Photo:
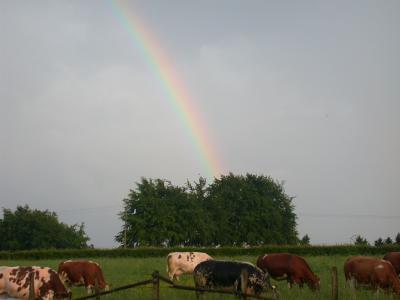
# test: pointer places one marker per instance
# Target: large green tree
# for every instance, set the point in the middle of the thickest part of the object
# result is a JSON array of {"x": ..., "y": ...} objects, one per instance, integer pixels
[
  {"x": 252, "y": 210},
  {"x": 27, "y": 228},
  {"x": 233, "y": 210},
  {"x": 159, "y": 213}
]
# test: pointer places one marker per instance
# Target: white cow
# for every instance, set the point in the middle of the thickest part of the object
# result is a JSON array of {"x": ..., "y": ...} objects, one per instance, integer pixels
[
  {"x": 14, "y": 282},
  {"x": 179, "y": 263}
]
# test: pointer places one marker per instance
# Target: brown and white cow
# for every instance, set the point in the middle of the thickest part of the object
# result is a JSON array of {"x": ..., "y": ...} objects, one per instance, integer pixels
[
  {"x": 372, "y": 272},
  {"x": 82, "y": 272},
  {"x": 394, "y": 258},
  {"x": 179, "y": 263},
  {"x": 14, "y": 282},
  {"x": 293, "y": 268}
]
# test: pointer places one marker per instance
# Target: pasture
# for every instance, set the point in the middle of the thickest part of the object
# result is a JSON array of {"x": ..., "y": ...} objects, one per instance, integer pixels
[{"x": 121, "y": 271}]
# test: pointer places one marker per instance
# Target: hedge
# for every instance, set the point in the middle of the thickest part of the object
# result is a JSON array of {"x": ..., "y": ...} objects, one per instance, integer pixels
[{"x": 223, "y": 251}]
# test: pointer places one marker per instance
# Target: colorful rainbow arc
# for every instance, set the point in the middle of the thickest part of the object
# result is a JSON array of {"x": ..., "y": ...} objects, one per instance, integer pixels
[{"x": 177, "y": 96}]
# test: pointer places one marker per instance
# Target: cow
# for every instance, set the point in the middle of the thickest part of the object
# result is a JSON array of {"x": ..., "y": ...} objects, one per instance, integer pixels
[
  {"x": 82, "y": 272},
  {"x": 226, "y": 275},
  {"x": 179, "y": 263},
  {"x": 372, "y": 272},
  {"x": 394, "y": 258},
  {"x": 15, "y": 281},
  {"x": 293, "y": 268}
]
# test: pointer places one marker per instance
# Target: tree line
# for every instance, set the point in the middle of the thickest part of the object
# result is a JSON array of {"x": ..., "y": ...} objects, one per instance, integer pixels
[
  {"x": 234, "y": 210},
  {"x": 359, "y": 240},
  {"x": 26, "y": 228}
]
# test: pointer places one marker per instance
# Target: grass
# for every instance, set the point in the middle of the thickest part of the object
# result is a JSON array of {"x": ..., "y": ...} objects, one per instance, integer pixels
[{"x": 123, "y": 271}]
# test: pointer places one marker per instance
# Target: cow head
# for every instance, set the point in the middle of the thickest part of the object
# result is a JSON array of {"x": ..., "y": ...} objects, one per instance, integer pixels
[
  {"x": 67, "y": 294},
  {"x": 259, "y": 281},
  {"x": 315, "y": 283},
  {"x": 64, "y": 278},
  {"x": 54, "y": 288}
]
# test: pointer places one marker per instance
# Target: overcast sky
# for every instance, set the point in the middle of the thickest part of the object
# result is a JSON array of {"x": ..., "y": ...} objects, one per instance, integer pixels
[{"x": 307, "y": 92}]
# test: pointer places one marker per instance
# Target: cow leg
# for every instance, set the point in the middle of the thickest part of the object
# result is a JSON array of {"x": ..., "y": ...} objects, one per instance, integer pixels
[
  {"x": 352, "y": 285},
  {"x": 89, "y": 286},
  {"x": 377, "y": 293},
  {"x": 289, "y": 283},
  {"x": 300, "y": 283},
  {"x": 200, "y": 295},
  {"x": 275, "y": 293},
  {"x": 297, "y": 280},
  {"x": 171, "y": 274},
  {"x": 89, "y": 289}
]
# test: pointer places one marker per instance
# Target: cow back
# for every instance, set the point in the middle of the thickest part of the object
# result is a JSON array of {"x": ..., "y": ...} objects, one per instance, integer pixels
[{"x": 394, "y": 259}]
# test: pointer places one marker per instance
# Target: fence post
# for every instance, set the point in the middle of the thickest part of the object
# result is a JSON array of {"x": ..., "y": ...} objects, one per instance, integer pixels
[
  {"x": 156, "y": 285},
  {"x": 96, "y": 288},
  {"x": 244, "y": 276},
  {"x": 335, "y": 289},
  {"x": 32, "y": 286}
]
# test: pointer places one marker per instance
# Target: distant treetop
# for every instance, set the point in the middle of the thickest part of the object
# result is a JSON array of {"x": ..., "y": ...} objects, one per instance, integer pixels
[{"x": 26, "y": 229}]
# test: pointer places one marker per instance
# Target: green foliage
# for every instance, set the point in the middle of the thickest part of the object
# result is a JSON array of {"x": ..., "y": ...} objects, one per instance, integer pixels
[
  {"x": 305, "y": 240},
  {"x": 232, "y": 211},
  {"x": 223, "y": 251},
  {"x": 388, "y": 241},
  {"x": 251, "y": 210},
  {"x": 360, "y": 241},
  {"x": 378, "y": 242},
  {"x": 34, "y": 229},
  {"x": 160, "y": 214},
  {"x": 397, "y": 239}
]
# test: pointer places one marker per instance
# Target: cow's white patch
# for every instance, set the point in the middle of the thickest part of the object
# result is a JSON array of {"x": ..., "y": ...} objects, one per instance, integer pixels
[
  {"x": 379, "y": 267},
  {"x": 265, "y": 256},
  {"x": 93, "y": 262}
]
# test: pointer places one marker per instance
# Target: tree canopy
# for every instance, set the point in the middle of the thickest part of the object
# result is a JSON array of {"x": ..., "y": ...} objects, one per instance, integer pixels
[
  {"x": 233, "y": 210},
  {"x": 27, "y": 228}
]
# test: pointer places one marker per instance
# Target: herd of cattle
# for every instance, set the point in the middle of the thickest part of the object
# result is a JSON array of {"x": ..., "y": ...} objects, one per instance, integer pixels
[{"x": 207, "y": 273}]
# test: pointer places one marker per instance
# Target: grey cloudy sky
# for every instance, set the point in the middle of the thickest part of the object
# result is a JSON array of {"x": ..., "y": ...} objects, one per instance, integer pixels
[{"x": 304, "y": 91}]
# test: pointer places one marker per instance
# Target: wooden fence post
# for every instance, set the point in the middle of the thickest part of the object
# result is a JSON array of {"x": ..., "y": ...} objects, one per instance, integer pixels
[
  {"x": 244, "y": 277},
  {"x": 32, "y": 286},
  {"x": 156, "y": 285},
  {"x": 335, "y": 289},
  {"x": 96, "y": 288}
]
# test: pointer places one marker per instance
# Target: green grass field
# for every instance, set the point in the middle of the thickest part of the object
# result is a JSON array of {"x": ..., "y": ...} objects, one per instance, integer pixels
[{"x": 122, "y": 271}]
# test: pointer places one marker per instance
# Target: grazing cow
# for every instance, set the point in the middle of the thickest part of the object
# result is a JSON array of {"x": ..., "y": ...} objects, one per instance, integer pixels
[
  {"x": 214, "y": 274},
  {"x": 293, "y": 268},
  {"x": 179, "y": 263},
  {"x": 394, "y": 258},
  {"x": 372, "y": 272},
  {"x": 15, "y": 281},
  {"x": 82, "y": 272}
]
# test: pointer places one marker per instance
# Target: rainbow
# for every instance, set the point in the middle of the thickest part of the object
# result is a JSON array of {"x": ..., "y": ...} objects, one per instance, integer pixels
[{"x": 176, "y": 94}]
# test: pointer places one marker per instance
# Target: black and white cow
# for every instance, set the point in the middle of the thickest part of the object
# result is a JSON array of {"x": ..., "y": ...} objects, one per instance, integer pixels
[{"x": 225, "y": 275}]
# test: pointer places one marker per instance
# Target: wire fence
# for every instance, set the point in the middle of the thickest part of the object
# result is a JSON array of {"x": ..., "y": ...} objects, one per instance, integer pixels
[{"x": 156, "y": 278}]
